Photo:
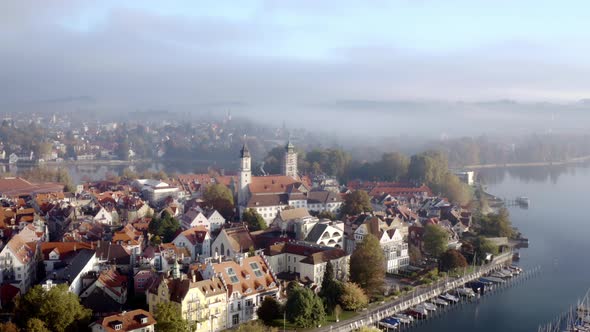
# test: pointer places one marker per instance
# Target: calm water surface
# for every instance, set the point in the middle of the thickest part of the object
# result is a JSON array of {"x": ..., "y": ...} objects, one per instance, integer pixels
[{"x": 558, "y": 226}]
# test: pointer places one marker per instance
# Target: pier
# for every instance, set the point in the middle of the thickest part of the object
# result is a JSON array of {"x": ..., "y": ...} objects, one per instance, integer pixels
[{"x": 371, "y": 317}]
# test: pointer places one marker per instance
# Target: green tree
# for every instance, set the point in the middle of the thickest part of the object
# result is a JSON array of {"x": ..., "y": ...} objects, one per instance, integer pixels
[
  {"x": 436, "y": 240},
  {"x": 304, "y": 308},
  {"x": 327, "y": 215},
  {"x": 452, "y": 259},
  {"x": 36, "y": 325},
  {"x": 483, "y": 247},
  {"x": 254, "y": 220},
  {"x": 353, "y": 297},
  {"x": 496, "y": 225},
  {"x": 392, "y": 167},
  {"x": 269, "y": 310},
  {"x": 357, "y": 202},
  {"x": 331, "y": 288},
  {"x": 169, "y": 318},
  {"x": 220, "y": 198},
  {"x": 58, "y": 308},
  {"x": 165, "y": 228},
  {"x": 367, "y": 266},
  {"x": 369, "y": 329},
  {"x": 254, "y": 326}
]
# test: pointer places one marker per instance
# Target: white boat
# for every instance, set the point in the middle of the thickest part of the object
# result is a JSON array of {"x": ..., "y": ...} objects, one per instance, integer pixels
[
  {"x": 508, "y": 272},
  {"x": 429, "y": 306},
  {"x": 404, "y": 318},
  {"x": 449, "y": 297},
  {"x": 464, "y": 291},
  {"x": 421, "y": 309},
  {"x": 439, "y": 301},
  {"x": 523, "y": 200}
]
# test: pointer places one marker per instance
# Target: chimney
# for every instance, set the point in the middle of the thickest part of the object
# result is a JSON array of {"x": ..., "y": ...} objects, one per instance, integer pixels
[{"x": 194, "y": 276}]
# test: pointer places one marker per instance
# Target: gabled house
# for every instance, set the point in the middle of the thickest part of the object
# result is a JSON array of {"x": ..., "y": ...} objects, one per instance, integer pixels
[
  {"x": 327, "y": 233},
  {"x": 72, "y": 271},
  {"x": 203, "y": 303},
  {"x": 112, "y": 283},
  {"x": 391, "y": 240},
  {"x": 307, "y": 262},
  {"x": 231, "y": 242},
  {"x": 248, "y": 281},
  {"x": 130, "y": 238},
  {"x": 18, "y": 263},
  {"x": 127, "y": 321},
  {"x": 197, "y": 240}
]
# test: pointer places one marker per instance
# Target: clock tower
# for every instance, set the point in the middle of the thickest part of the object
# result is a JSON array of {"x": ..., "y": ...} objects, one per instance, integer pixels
[{"x": 290, "y": 161}]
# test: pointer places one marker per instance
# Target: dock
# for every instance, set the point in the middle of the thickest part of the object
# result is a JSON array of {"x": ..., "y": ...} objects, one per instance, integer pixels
[{"x": 373, "y": 316}]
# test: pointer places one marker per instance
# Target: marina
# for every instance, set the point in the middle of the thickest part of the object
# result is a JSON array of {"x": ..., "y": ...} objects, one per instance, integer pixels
[{"x": 427, "y": 304}]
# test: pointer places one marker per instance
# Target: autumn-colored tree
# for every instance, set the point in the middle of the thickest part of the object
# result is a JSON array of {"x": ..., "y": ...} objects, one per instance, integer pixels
[
  {"x": 353, "y": 297},
  {"x": 367, "y": 266},
  {"x": 220, "y": 198},
  {"x": 356, "y": 202},
  {"x": 452, "y": 259}
]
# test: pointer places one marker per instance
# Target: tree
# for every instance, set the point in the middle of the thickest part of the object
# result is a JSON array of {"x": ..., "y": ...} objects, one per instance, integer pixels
[
  {"x": 58, "y": 308},
  {"x": 415, "y": 254},
  {"x": 331, "y": 289},
  {"x": 254, "y": 326},
  {"x": 369, "y": 329},
  {"x": 483, "y": 247},
  {"x": 496, "y": 225},
  {"x": 36, "y": 325},
  {"x": 452, "y": 259},
  {"x": 220, "y": 198},
  {"x": 269, "y": 310},
  {"x": 169, "y": 318},
  {"x": 165, "y": 228},
  {"x": 327, "y": 215},
  {"x": 254, "y": 220},
  {"x": 8, "y": 327},
  {"x": 156, "y": 240},
  {"x": 353, "y": 297},
  {"x": 357, "y": 202},
  {"x": 367, "y": 266},
  {"x": 435, "y": 240},
  {"x": 304, "y": 308},
  {"x": 392, "y": 166}
]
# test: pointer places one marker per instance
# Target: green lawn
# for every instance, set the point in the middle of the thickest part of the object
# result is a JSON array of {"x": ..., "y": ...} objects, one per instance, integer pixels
[{"x": 329, "y": 320}]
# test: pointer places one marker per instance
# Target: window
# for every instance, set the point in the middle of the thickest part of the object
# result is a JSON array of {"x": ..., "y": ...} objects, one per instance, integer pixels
[
  {"x": 235, "y": 320},
  {"x": 232, "y": 275},
  {"x": 256, "y": 269}
]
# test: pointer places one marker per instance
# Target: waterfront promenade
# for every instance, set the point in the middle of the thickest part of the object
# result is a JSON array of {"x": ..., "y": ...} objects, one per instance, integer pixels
[{"x": 420, "y": 294}]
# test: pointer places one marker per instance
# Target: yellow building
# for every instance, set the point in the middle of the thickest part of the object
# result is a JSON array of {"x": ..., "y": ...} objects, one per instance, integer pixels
[{"x": 202, "y": 303}]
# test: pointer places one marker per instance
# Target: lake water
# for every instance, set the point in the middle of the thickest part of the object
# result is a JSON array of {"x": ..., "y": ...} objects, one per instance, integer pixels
[{"x": 557, "y": 225}]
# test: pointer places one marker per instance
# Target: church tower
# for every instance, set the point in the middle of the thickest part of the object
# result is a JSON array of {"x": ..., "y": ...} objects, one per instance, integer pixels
[
  {"x": 245, "y": 175},
  {"x": 290, "y": 161}
]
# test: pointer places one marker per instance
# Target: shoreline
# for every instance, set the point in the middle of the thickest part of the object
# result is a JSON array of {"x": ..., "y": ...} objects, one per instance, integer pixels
[{"x": 539, "y": 163}]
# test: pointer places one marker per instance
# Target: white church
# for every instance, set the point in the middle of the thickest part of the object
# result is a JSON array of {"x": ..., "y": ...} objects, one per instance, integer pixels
[{"x": 270, "y": 194}]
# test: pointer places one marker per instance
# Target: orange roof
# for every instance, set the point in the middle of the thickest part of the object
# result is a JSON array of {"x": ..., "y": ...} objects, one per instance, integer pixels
[
  {"x": 127, "y": 321},
  {"x": 271, "y": 184},
  {"x": 63, "y": 248},
  {"x": 113, "y": 280},
  {"x": 21, "y": 250},
  {"x": 128, "y": 235},
  {"x": 16, "y": 186},
  {"x": 251, "y": 277}
]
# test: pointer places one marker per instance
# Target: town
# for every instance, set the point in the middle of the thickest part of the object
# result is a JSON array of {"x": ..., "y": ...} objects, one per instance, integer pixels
[{"x": 215, "y": 252}]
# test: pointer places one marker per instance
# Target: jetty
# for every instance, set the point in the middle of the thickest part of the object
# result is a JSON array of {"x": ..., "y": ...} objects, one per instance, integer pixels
[{"x": 373, "y": 316}]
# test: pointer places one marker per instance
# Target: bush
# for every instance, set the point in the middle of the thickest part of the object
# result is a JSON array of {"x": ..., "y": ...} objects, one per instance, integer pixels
[{"x": 353, "y": 297}]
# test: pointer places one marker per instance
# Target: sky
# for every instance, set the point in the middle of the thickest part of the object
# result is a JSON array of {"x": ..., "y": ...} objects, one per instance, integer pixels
[{"x": 290, "y": 54}]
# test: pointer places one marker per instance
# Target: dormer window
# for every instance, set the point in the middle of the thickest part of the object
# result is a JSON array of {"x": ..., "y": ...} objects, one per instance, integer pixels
[{"x": 118, "y": 327}]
